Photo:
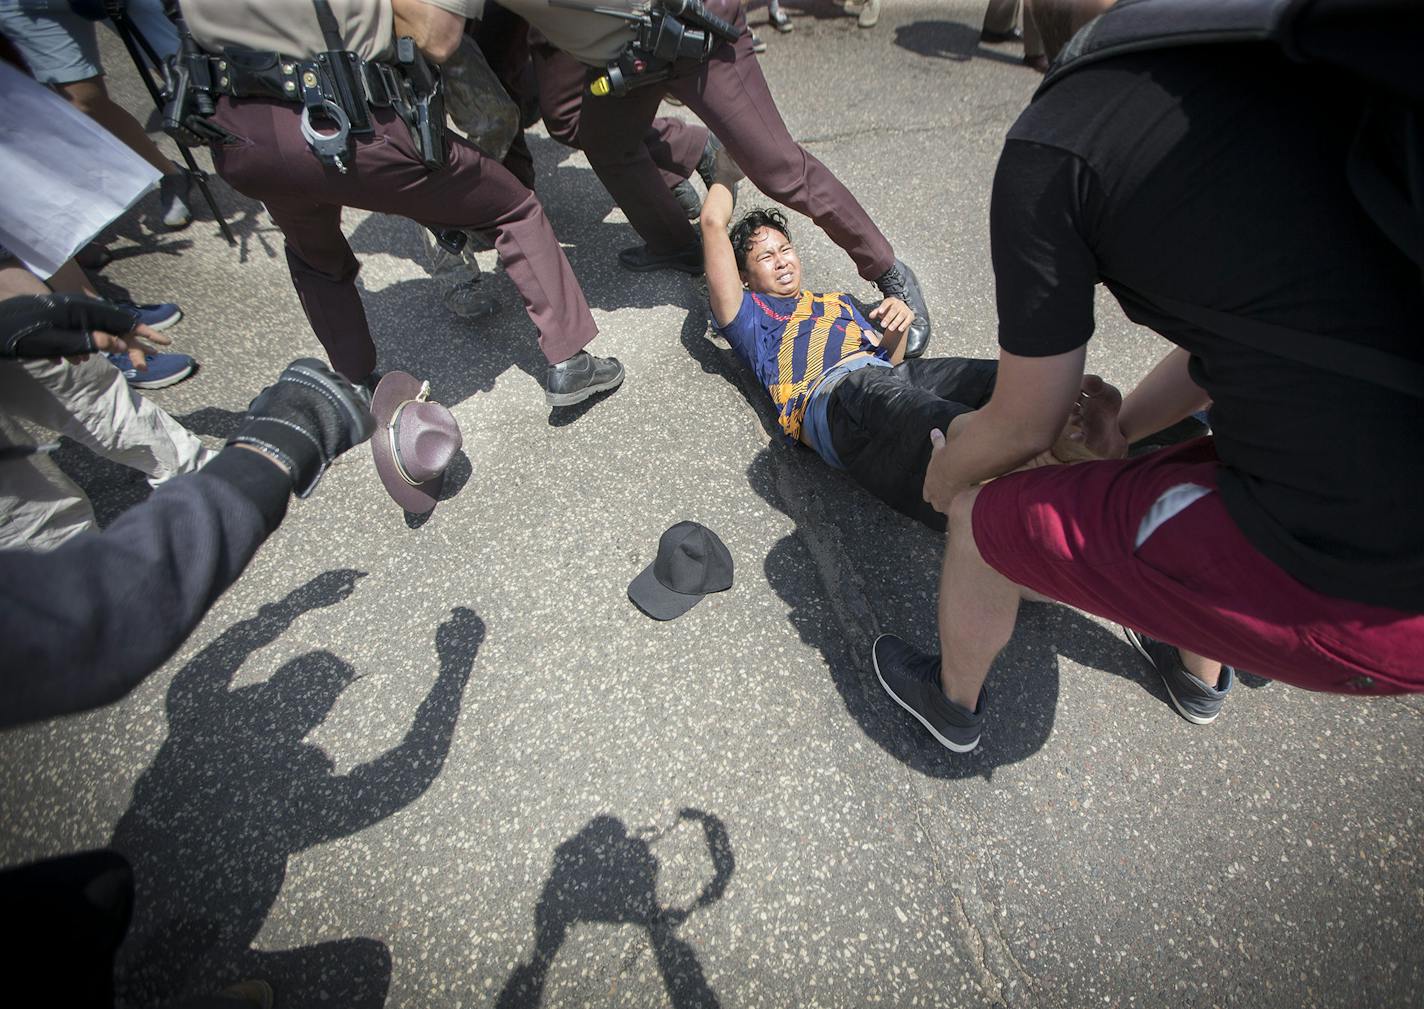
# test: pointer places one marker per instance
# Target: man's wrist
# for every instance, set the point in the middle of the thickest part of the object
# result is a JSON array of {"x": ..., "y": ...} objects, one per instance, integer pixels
[{"x": 255, "y": 450}]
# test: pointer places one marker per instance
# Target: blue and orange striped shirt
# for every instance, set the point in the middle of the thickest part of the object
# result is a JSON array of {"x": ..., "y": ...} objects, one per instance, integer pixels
[{"x": 791, "y": 343}]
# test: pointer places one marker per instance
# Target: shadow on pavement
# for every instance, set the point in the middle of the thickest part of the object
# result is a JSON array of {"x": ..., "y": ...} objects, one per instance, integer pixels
[
  {"x": 457, "y": 474},
  {"x": 112, "y": 488},
  {"x": 605, "y": 874},
  {"x": 234, "y": 792},
  {"x": 948, "y": 40},
  {"x": 213, "y": 421}
]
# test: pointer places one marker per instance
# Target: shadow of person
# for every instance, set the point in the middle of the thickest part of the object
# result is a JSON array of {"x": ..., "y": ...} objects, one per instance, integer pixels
[
  {"x": 1024, "y": 681},
  {"x": 234, "y": 792},
  {"x": 947, "y": 40},
  {"x": 213, "y": 421},
  {"x": 605, "y": 874}
]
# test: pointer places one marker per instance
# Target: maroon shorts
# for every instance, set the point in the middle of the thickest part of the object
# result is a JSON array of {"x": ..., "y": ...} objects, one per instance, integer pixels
[{"x": 1071, "y": 533}]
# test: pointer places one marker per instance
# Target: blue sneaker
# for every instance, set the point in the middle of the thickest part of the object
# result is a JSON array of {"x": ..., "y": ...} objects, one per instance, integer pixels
[
  {"x": 155, "y": 317},
  {"x": 163, "y": 370}
]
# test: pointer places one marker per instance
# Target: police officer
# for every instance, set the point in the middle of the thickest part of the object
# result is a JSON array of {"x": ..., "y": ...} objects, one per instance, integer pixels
[
  {"x": 728, "y": 92},
  {"x": 319, "y": 107}
]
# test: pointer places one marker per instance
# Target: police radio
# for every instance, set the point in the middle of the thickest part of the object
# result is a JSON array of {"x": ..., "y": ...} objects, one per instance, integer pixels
[{"x": 668, "y": 33}]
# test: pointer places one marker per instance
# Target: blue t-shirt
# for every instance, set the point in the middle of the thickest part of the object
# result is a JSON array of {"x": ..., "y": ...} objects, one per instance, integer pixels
[{"x": 791, "y": 343}]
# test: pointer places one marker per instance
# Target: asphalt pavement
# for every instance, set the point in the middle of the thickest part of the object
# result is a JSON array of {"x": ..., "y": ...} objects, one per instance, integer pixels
[{"x": 445, "y": 762}]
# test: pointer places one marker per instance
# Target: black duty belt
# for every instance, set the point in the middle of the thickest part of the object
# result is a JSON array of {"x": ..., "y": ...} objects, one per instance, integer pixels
[
  {"x": 336, "y": 89},
  {"x": 287, "y": 78}
]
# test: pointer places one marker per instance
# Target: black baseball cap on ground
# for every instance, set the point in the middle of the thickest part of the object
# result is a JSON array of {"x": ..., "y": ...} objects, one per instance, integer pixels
[{"x": 691, "y": 562}]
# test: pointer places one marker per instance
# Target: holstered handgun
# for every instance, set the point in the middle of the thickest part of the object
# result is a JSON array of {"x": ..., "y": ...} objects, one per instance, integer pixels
[
  {"x": 188, "y": 102},
  {"x": 424, "y": 113}
]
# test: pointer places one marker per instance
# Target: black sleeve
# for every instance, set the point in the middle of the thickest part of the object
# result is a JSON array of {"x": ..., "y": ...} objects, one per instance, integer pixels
[
  {"x": 81, "y": 625},
  {"x": 1044, "y": 269}
]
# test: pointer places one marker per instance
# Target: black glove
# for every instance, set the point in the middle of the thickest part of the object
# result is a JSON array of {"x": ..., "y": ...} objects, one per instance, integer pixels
[
  {"x": 307, "y": 418},
  {"x": 57, "y": 325}
]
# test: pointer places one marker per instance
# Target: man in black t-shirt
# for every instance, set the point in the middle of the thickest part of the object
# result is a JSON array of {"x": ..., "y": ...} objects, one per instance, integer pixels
[{"x": 1209, "y": 177}]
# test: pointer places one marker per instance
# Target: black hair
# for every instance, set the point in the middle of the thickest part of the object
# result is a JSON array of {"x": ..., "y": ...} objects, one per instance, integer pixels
[{"x": 752, "y": 222}]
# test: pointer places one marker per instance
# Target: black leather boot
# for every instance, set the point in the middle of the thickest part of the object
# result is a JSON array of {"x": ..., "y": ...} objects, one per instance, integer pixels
[{"x": 900, "y": 282}]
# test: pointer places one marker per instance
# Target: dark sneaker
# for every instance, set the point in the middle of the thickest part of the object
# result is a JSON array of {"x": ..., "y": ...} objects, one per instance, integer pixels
[
  {"x": 911, "y": 678},
  {"x": 688, "y": 199},
  {"x": 155, "y": 317},
  {"x": 173, "y": 199},
  {"x": 1193, "y": 699},
  {"x": 707, "y": 164},
  {"x": 779, "y": 19},
  {"x": 163, "y": 370},
  {"x": 640, "y": 259},
  {"x": 758, "y": 45},
  {"x": 900, "y": 282},
  {"x": 580, "y": 377}
]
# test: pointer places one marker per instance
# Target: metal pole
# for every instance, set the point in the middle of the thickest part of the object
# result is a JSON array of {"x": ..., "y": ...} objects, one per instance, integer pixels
[{"x": 133, "y": 38}]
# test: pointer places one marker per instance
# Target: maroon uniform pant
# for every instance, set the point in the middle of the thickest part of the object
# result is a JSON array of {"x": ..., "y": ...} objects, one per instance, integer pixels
[
  {"x": 729, "y": 94},
  {"x": 272, "y": 163},
  {"x": 671, "y": 146}
]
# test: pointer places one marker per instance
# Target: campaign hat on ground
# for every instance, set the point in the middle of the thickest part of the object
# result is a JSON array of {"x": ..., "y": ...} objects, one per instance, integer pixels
[
  {"x": 691, "y": 562},
  {"x": 415, "y": 441}
]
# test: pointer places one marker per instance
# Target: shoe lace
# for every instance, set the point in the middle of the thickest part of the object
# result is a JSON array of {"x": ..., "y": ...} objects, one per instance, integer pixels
[{"x": 892, "y": 284}]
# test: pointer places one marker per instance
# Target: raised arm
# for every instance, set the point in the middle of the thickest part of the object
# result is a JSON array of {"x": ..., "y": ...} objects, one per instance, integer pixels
[{"x": 724, "y": 280}]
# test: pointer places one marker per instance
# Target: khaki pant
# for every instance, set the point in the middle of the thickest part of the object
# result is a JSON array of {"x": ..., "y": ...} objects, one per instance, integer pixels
[{"x": 91, "y": 403}]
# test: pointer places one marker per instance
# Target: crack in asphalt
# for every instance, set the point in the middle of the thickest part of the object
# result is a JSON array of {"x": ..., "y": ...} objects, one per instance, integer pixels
[
  {"x": 858, "y": 625},
  {"x": 861, "y": 133}
]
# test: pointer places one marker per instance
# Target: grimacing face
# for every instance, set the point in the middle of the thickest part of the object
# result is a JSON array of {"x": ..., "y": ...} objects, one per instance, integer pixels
[{"x": 772, "y": 264}]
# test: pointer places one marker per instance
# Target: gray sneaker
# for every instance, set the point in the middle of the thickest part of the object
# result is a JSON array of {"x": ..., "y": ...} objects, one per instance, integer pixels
[
  {"x": 1193, "y": 699},
  {"x": 688, "y": 199},
  {"x": 173, "y": 191},
  {"x": 580, "y": 377},
  {"x": 911, "y": 678}
]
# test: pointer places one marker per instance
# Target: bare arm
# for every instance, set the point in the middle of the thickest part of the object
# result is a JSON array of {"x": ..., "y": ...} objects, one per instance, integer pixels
[
  {"x": 1032, "y": 396},
  {"x": 724, "y": 281},
  {"x": 1166, "y": 395},
  {"x": 436, "y": 32}
]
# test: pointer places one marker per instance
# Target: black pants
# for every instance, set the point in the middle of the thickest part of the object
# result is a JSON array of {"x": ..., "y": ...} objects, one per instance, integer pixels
[
  {"x": 63, "y": 920},
  {"x": 881, "y": 418}
]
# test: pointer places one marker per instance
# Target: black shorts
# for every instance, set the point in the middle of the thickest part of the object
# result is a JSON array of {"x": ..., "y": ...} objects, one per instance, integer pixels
[{"x": 880, "y": 421}]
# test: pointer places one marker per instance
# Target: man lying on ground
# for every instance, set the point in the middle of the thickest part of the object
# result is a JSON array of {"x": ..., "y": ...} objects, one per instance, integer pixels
[{"x": 839, "y": 384}]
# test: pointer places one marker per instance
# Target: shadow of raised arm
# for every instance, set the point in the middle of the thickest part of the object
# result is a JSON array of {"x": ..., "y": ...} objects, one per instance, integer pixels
[
  {"x": 209, "y": 673},
  {"x": 377, "y": 789}
]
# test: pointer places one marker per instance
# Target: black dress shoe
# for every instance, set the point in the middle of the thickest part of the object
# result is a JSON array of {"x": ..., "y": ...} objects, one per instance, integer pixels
[
  {"x": 578, "y": 378},
  {"x": 994, "y": 38},
  {"x": 900, "y": 282},
  {"x": 640, "y": 260}
]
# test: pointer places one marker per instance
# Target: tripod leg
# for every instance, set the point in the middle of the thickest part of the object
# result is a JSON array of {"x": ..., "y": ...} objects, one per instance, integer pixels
[{"x": 133, "y": 39}]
